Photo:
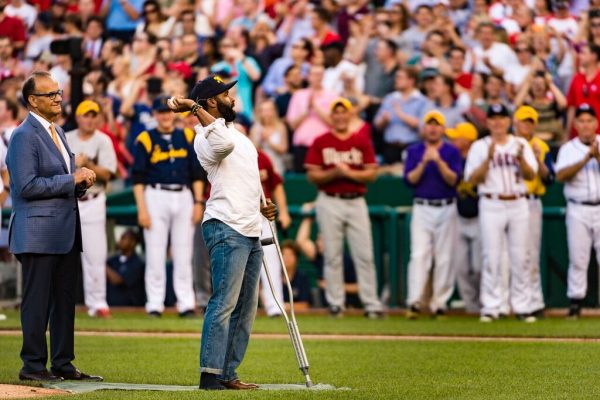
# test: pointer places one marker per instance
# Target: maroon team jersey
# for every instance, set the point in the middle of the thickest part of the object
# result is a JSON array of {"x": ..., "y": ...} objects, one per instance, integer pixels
[
  {"x": 268, "y": 177},
  {"x": 328, "y": 150}
]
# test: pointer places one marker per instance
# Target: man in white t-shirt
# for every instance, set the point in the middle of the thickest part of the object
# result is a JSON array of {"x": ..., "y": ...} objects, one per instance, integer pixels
[
  {"x": 337, "y": 69},
  {"x": 498, "y": 164},
  {"x": 490, "y": 56},
  {"x": 578, "y": 167},
  {"x": 22, "y": 10},
  {"x": 231, "y": 227}
]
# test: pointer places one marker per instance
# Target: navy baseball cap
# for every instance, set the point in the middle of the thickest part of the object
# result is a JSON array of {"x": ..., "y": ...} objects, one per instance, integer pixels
[
  {"x": 495, "y": 110},
  {"x": 210, "y": 87},
  {"x": 160, "y": 104},
  {"x": 585, "y": 109}
]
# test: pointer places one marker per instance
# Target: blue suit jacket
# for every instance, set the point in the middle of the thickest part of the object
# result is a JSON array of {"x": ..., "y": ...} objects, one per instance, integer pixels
[{"x": 45, "y": 216}]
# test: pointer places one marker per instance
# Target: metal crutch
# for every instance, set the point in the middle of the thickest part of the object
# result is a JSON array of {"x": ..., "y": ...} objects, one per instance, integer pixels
[{"x": 291, "y": 323}]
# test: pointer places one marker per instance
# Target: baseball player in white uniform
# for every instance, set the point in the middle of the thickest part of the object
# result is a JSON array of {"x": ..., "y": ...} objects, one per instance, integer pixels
[
  {"x": 94, "y": 150},
  {"x": 466, "y": 256},
  {"x": 526, "y": 118},
  {"x": 578, "y": 167},
  {"x": 168, "y": 189},
  {"x": 498, "y": 164}
]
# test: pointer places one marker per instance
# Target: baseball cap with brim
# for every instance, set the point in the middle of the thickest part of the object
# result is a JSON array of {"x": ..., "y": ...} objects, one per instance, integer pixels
[
  {"x": 497, "y": 110},
  {"x": 341, "y": 101},
  {"x": 435, "y": 115},
  {"x": 464, "y": 130},
  {"x": 160, "y": 104},
  {"x": 585, "y": 109},
  {"x": 524, "y": 113},
  {"x": 428, "y": 73},
  {"x": 87, "y": 106},
  {"x": 210, "y": 87}
]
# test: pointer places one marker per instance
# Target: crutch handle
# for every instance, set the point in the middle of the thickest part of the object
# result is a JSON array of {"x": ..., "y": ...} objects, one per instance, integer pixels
[{"x": 267, "y": 241}]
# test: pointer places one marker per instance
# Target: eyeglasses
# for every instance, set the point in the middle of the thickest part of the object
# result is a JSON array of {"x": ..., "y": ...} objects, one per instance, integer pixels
[{"x": 50, "y": 95}]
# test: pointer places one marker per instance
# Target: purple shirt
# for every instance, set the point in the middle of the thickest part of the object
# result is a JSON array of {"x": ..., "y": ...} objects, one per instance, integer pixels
[{"x": 432, "y": 184}]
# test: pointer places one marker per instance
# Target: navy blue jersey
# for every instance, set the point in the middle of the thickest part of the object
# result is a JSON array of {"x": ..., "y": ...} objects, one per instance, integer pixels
[
  {"x": 132, "y": 291},
  {"x": 166, "y": 159}
]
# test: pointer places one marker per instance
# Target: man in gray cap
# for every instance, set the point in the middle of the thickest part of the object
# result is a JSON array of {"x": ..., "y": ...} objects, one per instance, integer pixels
[{"x": 231, "y": 226}]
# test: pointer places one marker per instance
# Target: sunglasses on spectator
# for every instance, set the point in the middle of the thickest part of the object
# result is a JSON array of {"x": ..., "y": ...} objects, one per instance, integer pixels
[
  {"x": 50, "y": 95},
  {"x": 150, "y": 11}
]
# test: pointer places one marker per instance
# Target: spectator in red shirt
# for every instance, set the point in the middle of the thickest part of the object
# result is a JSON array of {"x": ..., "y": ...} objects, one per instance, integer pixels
[
  {"x": 585, "y": 86},
  {"x": 273, "y": 187},
  {"x": 13, "y": 28},
  {"x": 341, "y": 163},
  {"x": 320, "y": 20},
  {"x": 456, "y": 61}
]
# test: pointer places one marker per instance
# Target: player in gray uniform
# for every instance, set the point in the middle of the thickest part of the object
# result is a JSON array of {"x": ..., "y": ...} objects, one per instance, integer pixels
[{"x": 94, "y": 150}]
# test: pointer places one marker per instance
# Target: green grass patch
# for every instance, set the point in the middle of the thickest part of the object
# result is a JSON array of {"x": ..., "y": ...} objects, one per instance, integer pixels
[
  {"x": 374, "y": 370},
  {"x": 319, "y": 324}
]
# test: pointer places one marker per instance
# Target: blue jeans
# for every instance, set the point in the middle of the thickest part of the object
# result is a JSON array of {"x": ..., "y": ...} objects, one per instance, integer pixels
[{"x": 235, "y": 262}]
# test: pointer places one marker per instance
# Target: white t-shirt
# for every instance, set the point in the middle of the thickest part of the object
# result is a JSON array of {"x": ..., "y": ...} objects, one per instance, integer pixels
[
  {"x": 25, "y": 13},
  {"x": 231, "y": 163},
  {"x": 98, "y": 148},
  {"x": 585, "y": 185},
  {"x": 332, "y": 78},
  {"x": 516, "y": 74},
  {"x": 500, "y": 56},
  {"x": 504, "y": 175},
  {"x": 564, "y": 25}
]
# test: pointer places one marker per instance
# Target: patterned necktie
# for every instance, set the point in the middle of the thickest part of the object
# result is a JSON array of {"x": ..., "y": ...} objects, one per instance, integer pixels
[{"x": 55, "y": 137}]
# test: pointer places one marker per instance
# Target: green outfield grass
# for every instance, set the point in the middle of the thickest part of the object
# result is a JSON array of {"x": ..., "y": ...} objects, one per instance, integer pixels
[
  {"x": 373, "y": 370},
  {"x": 395, "y": 325}
]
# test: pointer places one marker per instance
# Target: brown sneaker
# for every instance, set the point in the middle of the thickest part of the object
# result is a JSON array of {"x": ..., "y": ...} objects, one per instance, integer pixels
[{"x": 236, "y": 384}]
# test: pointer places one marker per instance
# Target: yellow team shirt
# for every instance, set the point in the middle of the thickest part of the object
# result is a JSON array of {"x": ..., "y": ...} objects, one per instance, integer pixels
[{"x": 536, "y": 186}]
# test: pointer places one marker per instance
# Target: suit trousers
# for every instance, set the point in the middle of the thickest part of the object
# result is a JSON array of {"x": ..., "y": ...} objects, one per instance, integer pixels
[{"x": 49, "y": 289}]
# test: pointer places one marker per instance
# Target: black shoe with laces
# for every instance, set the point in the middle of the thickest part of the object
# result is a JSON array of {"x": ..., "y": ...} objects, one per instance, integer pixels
[{"x": 154, "y": 314}]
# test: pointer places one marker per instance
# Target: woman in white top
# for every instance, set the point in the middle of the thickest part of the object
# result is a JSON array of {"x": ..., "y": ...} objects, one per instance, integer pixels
[
  {"x": 269, "y": 134},
  {"x": 155, "y": 22}
]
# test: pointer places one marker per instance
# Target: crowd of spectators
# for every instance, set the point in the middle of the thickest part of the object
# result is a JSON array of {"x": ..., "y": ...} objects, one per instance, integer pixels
[{"x": 394, "y": 60}]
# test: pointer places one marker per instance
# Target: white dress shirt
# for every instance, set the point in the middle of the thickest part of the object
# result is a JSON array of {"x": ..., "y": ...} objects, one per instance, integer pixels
[{"x": 46, "y": 124}]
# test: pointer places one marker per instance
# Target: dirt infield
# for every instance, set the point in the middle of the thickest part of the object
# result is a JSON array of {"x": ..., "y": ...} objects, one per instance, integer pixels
[
  {"x": 27, "y": 392},
  {"x": 406, "y": 338}
]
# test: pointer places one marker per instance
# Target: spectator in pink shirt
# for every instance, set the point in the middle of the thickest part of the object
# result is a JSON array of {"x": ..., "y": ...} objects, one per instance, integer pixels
[{"x": 307, "y": 115}]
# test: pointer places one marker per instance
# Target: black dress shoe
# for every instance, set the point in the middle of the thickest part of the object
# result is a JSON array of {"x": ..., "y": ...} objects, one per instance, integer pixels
[
  {"x": 41, "y": 376},
  {"x": 77, "y": 375}
]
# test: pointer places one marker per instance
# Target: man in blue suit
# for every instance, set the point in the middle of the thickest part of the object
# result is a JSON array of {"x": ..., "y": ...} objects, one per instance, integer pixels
[{"x": 44, "y": 231}]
